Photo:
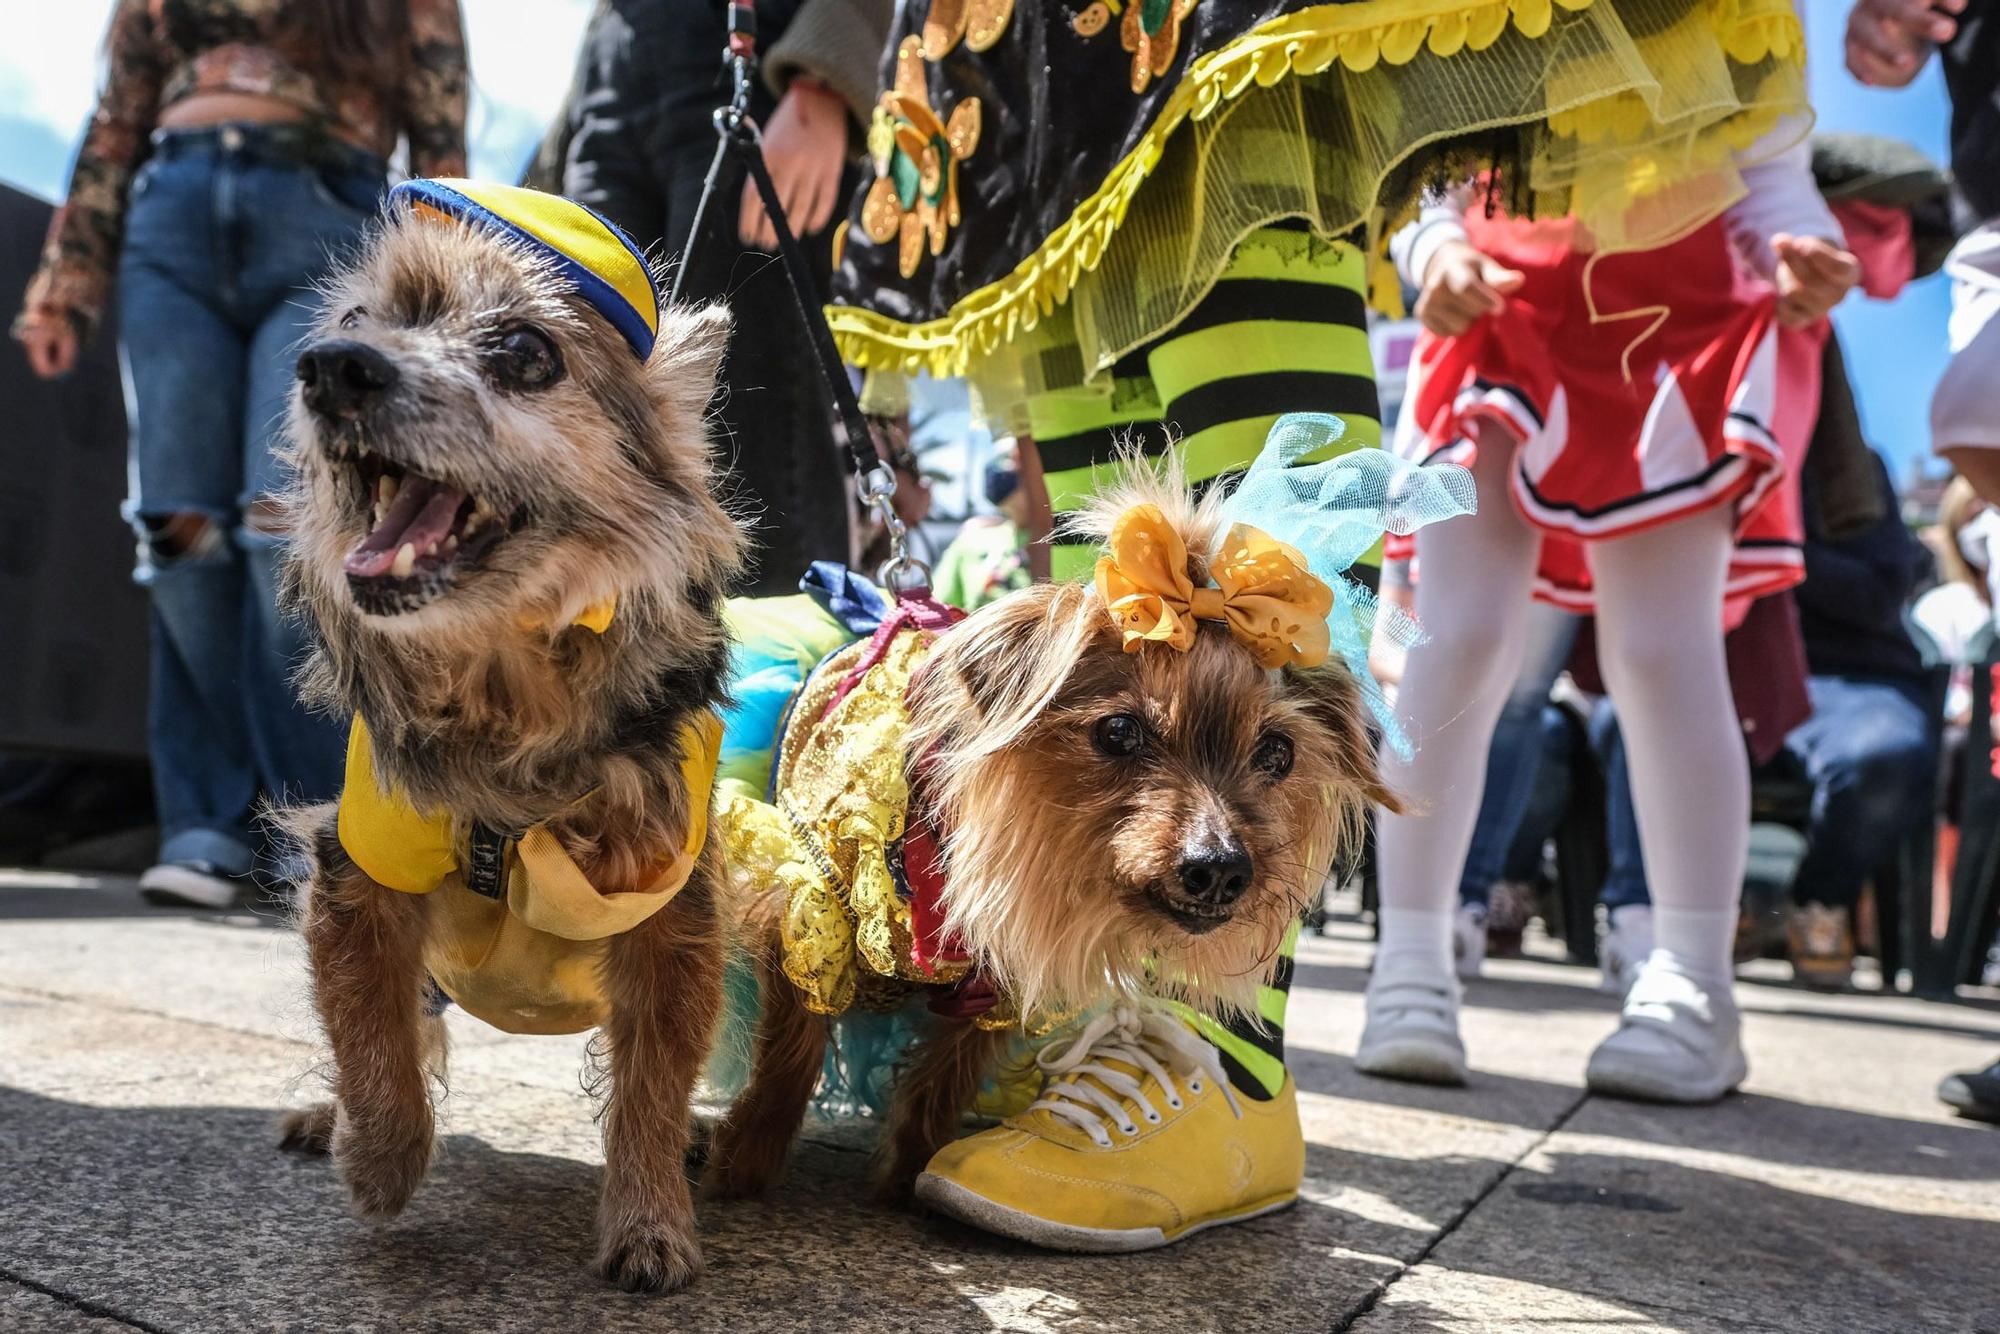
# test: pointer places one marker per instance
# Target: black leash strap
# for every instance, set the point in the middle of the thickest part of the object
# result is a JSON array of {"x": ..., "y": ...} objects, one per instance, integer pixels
[{"x": 737, "y": 133}]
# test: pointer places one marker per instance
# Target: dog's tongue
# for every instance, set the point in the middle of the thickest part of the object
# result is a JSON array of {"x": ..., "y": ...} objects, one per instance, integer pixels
[{"x": 420, "y": 515}]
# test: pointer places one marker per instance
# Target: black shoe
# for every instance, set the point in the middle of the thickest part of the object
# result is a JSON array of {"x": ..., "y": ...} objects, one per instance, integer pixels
[{"x": 1975, "y": 1093}]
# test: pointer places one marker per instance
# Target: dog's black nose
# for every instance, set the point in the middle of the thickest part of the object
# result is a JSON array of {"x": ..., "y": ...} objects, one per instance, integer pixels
[
  {"x": 342, "y": 377},
  {"x": 1217, "y": 875}
]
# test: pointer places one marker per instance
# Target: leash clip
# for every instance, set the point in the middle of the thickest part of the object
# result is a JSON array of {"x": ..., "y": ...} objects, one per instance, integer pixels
[
  {"x": 742, "y": 62},
  {"x": 901, "y": 572}
]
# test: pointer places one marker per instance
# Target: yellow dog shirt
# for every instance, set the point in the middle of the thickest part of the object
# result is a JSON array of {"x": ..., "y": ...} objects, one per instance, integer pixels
[{"x": 529, "y": 962}]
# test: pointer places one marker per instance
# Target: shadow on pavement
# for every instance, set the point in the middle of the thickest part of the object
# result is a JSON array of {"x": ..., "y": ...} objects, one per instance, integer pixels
[{"x": 1603, "y": 1240}]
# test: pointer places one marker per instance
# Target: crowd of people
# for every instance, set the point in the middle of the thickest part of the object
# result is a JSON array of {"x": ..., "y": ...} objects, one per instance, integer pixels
[{"x": 1682, "y": 550}]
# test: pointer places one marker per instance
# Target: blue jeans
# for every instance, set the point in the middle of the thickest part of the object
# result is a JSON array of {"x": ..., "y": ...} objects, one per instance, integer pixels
[
  {"x": 226, "y": 231},
  {"x": 1870, "y": 752},
  {"x": 1870, "y": 749},
  {"x": 1513, "y": 758},
  {"x": 1625, "y": 879}
]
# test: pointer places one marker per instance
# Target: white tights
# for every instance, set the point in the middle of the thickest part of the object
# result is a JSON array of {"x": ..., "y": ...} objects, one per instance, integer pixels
[{"x": 1659, "y": 644}]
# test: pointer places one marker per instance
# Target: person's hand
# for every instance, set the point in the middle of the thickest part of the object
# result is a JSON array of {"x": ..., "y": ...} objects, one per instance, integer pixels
[
  {"x": 1462, "y": 287},
  {"x": 805, "y": 146},
  {"x": 1813, "y": 275},
  {"x": 50, "y": 342},
  {"x": 1888, "y": 41}
]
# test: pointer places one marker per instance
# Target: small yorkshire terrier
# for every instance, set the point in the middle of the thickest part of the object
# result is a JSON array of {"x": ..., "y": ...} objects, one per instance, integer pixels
[
  {"x": 506, "y": 533},
  {"x": 1109, "y": 818}
]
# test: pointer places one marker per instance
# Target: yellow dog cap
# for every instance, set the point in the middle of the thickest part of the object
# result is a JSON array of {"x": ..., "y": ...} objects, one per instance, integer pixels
[{"x": 608, "y": 270}]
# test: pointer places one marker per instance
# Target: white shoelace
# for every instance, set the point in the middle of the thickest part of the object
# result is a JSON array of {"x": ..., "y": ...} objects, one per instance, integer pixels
[{"x": 1090, "y": 1094}]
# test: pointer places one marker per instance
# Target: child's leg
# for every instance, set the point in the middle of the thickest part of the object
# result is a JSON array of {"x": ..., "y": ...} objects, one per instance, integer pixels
[
  {"x": 1284, "y": 330},
  {"x": 1659, "y": 635},
  {"x": 1253, "y": 1046},
  {"x": 1474, "y": 578},
  {"x": 1281, "y": 331},
  {"x": 1659, "y": 641}
]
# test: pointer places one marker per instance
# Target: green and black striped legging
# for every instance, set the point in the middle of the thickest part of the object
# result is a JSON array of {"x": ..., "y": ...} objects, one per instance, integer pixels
[{"x": 1283, "y": 330}]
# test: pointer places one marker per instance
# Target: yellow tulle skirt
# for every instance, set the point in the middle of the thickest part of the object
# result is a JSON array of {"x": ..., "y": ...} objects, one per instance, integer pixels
[{"x": 1633, "y": 115}]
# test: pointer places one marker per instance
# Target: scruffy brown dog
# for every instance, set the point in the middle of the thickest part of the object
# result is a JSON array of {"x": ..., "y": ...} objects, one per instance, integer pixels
[
  {"x": 506, "y": 534},
  {"x": 1109, "y": 822}
]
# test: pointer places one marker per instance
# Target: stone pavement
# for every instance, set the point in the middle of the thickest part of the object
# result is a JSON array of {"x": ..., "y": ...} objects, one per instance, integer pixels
[{"x": 143, "y": 1056}]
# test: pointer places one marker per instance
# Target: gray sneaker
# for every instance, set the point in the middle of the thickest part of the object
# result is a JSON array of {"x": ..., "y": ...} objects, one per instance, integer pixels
[
  {"x": 188, "y": 884},
  {"x": 1677, "y": 1040}
]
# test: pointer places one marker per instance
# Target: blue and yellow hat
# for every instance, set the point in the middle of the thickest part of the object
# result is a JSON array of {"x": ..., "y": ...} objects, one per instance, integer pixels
[{"x": 607, "y": 268}]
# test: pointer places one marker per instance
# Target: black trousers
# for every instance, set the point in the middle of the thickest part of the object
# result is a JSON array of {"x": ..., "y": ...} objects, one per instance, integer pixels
[{"x": 640, "y": 147}]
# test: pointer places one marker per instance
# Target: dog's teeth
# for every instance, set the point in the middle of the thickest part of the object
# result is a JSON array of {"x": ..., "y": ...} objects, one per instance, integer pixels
[
  {"x": 430, "y": 549},
  {"x": 386, "y": 488},
  {"x": 471, "y": 524},
  {"x": 381, "y": 510},
  {"x": 406, "y": 561},
  {"x": 366, "y": 452},
  {"x": 450, "y": 545}
]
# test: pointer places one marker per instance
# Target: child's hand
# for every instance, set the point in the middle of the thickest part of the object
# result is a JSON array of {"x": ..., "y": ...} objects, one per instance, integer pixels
[
  {"x": 1462, "y": 287},
  {"x": 1813, "y": 275},
  {"x": 1888, "y": 41}
]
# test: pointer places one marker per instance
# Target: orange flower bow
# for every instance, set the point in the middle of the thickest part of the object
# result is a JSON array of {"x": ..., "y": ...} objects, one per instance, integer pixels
[{"x": 1264, "y": 592}]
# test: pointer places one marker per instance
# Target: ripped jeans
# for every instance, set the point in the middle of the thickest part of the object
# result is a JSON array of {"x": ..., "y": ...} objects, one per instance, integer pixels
[{"x": 226, "y": 231}]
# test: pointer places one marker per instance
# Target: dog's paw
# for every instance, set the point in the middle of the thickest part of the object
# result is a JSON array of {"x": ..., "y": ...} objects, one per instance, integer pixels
[
  {"x": 308, "y": 1130},
  {"x": 740, "y": 1166},
  {"x": 650, "y": 1257},
  {"x": 382, "y": 1170},
  {"x": 896, "y": 1189},
  {"x": 896, "y": 1171}
]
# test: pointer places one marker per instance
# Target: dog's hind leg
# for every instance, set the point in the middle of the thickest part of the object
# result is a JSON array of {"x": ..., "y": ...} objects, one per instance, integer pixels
[
  {"x": 309, "y": 1130},
  {"x": 663, "y": 979},
  {"x": 932, "y": 1093},
  {"x": 366, "y": 946},
  {"x": 749, "y": 1147}
]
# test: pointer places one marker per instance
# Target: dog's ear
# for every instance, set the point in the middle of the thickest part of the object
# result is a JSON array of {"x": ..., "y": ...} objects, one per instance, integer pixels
[
  {"x": 991, "y": 677},
  {"x": 687, "y": 355},
  {"x": 1331, "y": 696}
]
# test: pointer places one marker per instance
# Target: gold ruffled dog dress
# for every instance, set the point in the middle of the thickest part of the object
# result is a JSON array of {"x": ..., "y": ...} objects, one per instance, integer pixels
[{"x": 862, "y": 924}]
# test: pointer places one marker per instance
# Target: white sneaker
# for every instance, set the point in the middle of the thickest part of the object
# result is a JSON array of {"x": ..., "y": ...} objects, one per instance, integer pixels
[
  {"x": 188, "y": 884},
  {"x": 1678, "y": 1040},
  {"x": 1627, "y": 944},
  {"x": 1468, "y": 940},
  {"x": 1412, "y": 1030}
]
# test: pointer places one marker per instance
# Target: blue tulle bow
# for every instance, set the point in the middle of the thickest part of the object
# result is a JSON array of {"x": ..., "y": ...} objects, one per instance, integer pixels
[{"x": 1335, "y": 512}]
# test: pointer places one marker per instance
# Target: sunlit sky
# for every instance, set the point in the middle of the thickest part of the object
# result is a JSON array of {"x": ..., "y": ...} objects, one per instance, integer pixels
[{"x": 523, "y": 52}]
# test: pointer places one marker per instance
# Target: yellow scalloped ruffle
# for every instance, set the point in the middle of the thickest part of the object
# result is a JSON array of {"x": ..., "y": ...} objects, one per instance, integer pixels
[{"x": 1359, "y": 37}]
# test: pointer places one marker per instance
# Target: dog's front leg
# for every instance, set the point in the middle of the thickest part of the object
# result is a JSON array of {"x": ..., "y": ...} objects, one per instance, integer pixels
[
  {"x": 664, "y": 982},
  {"x": 366, "y": 943},
  {"x": 941, "y": 1081}
]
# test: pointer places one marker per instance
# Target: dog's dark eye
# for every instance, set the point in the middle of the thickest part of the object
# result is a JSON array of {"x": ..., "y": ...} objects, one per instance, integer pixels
[
  {"x": 1273, "y": 756},
  {"x": 526, "y": 359},
  {"x": 353, "y": 317},
  {"x": 1121, "y": 734}
]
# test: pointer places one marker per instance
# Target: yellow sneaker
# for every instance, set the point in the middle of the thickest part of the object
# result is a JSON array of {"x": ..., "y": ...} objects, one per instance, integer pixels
[{"x": 1136, "y": 1141}]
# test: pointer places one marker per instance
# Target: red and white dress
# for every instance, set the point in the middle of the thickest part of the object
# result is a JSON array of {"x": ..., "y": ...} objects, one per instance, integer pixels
[{"x": 1637, "y": 388}]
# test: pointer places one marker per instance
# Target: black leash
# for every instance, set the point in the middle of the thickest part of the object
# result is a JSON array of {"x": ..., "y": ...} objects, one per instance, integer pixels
[{"x": 874, "y": 480}]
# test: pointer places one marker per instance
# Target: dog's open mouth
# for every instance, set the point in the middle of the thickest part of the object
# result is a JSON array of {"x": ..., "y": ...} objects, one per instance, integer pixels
[
  {"x": 1197, "y": 919},
  {"x": 421, "y": 533}
]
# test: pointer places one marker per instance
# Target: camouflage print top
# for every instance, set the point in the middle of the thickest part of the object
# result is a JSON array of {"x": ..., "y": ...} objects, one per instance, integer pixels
[{"x": 164, "y": 51}]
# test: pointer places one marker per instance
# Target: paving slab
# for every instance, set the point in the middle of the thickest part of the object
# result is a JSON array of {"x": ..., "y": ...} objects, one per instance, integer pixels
[
  {"x": 144, "y": 1057},
  {"x": 143, "y": 1183},
  {"x": 1834, "y": 1194}
]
